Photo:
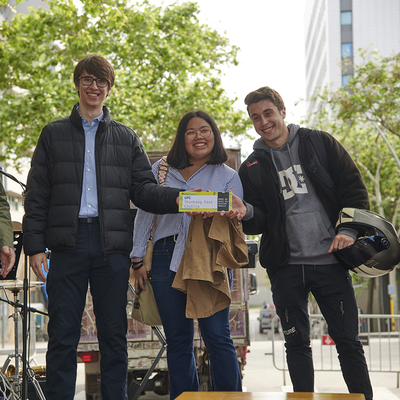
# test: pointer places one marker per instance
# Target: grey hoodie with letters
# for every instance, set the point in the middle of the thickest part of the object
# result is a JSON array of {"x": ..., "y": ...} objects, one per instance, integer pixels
[{"x": 309, "y": 229}]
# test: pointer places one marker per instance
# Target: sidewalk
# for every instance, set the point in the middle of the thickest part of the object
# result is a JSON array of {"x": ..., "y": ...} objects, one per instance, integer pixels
[{"x": 260, "y": 375}]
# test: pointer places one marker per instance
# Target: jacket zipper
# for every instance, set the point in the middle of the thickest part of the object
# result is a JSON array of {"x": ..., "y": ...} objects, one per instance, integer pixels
[
  {"x": 275, "y": 176},
  {"x": 99, "y": 205}
]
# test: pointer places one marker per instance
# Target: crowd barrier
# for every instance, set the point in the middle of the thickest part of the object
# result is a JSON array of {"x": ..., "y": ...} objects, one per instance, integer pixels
[{"x": 379, "y": 334}]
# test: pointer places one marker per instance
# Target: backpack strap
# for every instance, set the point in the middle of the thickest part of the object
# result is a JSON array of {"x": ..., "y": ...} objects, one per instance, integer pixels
[
  {"x": 254, "y": 170},
  {"x": 321, "y": 159},
  {"x": 319, "y": 148}
]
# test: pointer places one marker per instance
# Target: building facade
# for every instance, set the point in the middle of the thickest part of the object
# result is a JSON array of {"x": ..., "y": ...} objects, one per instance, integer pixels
[{"x": 336, "y": 30}]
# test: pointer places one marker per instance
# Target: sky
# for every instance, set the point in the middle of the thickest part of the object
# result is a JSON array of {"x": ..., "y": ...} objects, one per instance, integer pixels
[{"x": 270, "y": 35}]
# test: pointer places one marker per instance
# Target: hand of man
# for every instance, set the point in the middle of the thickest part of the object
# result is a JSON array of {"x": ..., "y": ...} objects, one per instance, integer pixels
[
  {"x": 36, "y": 262},
  {"x": 7, "y": 258},
  {"x": 340, "y": 241},
  {"x": 238, "y": 208}
]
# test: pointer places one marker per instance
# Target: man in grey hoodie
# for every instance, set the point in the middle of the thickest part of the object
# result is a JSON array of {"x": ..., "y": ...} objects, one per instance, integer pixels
[{"x": 294, "y": 190}]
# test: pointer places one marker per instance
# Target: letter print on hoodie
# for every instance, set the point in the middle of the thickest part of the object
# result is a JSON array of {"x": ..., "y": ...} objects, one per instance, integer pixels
[
  {"x": 308, "y": 227},
  {"x": 292, "y": 181}
]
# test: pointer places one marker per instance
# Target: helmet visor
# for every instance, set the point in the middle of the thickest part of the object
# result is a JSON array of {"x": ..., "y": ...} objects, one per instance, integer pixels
[{"x": 362, "y": 250}]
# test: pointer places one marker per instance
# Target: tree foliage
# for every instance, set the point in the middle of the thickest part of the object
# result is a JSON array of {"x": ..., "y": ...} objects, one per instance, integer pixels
[
  {"x": 359, "y": 115},
  {"x": 356, "y": 115},
  {"x": 166, "y": 62}
]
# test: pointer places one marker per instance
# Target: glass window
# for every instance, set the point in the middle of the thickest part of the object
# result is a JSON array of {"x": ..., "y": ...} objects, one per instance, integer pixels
[
  {"x": 347, "y": 50},
  {"x": 346, "y": 18},
  {"x": 345, "y": 79}
]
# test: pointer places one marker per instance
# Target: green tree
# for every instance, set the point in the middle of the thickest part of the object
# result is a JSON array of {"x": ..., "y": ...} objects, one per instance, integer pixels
[
  {"x": 364, "y": 117},
  {"x": 166, "y": 64},
  {"x": 361, "y": 116},
  {"x": 373, "y": 94}
]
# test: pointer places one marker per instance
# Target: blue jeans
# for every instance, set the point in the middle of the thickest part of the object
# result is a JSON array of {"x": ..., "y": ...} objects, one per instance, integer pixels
[
  {"x": 69, "y": 274},
  {"x": 179, "y": 332},
  {"x": 333, "y": 290}
]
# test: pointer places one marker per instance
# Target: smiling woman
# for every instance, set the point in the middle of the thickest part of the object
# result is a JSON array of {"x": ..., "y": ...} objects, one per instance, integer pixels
[
  {"x": 199, "y": 143},
  {"x": 196, "y": 160}
]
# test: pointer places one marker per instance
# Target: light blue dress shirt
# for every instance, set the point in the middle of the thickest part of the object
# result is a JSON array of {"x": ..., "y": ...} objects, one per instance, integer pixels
[
  {"x": 216, "y": 178},
  {"x": 89, "y": 205}
]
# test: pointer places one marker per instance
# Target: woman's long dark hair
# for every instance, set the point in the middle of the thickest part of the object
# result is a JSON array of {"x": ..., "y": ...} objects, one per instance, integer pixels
[{"x": 177, "y": 156}]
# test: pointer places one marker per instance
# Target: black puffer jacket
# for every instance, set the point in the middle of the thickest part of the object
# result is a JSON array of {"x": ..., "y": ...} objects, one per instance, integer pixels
[
  {"x": 262, "y": 190},
  {"x": 54, "y": 185}
]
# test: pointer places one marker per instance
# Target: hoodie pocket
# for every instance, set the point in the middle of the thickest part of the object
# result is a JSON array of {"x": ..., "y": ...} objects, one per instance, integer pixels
[{"x": 308, "y": 236}]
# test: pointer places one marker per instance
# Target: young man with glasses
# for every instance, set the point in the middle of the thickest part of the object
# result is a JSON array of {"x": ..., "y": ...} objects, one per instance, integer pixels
[
  {"x": 295, "y": 183},
  {"x": 85, "y": 170}
]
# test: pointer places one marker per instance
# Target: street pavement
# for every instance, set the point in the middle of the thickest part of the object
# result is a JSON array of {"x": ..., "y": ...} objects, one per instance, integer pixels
[{"x": 260, "y": 375}]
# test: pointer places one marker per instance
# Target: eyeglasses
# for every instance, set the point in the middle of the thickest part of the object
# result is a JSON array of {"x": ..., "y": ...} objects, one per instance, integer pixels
[
  {"x": 88, "y": 80},
  {"x": 203, "y": 132}
]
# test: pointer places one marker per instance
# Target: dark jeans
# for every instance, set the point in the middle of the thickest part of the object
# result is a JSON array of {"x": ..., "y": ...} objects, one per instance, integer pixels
[
  {"x": 70, "y": 272},
  {"x": 332, "y": 288},
  {"x": 179, "y": 332}
]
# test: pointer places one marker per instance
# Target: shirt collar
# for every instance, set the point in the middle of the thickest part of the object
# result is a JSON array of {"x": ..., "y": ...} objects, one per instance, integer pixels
[{"x": 99, "y": 118}]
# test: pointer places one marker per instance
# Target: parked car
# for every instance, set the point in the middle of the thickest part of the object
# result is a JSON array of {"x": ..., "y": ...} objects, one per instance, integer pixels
[{"x": 267, "y": 321}]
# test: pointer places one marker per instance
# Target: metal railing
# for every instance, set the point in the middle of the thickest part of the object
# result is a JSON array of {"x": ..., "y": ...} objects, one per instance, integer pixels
[{"x": 379, "y": 334}]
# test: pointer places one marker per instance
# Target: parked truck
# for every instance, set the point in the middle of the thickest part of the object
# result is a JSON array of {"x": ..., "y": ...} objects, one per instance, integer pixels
[{"x": 146, "y": 344}]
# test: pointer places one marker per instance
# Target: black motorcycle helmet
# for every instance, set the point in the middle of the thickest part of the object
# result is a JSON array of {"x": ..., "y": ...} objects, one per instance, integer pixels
[{"x": 376, "y": 250}]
